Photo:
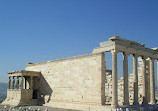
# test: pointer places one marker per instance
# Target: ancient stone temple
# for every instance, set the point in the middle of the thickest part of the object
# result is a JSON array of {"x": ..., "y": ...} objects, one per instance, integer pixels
[{"x": 84, "y": 83}]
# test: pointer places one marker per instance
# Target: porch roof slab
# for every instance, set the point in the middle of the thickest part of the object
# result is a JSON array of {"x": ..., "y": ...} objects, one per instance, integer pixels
[{"x": 24, "y": 73}]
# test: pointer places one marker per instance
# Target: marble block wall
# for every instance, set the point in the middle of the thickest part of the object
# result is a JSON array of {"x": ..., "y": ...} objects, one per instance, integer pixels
[{"x": 78, "y": 79}]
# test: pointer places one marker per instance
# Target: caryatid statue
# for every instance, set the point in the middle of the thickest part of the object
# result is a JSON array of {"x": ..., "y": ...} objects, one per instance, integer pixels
[
  {"x": 17, "y": 83},
  {"x": 22, "y": 80},
  {"x": 9, "y": 83},
  {"x": 13, "y": 82}
]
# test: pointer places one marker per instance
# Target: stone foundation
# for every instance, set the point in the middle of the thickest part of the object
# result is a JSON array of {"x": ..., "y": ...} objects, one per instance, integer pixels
[{"x": 18, "y": 97}]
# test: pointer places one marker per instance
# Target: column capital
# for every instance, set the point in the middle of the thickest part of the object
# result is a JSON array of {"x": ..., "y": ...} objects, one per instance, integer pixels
[
  {"x": 31, "y": 77},
  {"x": 114, "y": 51},
  {"x": 125, "y": 54},
  {"x": 135, "y": 55},
  {"x": 150, "y": 58},
  {"x": 143, "y": 57}
]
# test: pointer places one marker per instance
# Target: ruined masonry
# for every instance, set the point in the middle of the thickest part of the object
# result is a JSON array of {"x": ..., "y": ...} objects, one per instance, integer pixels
[{"x": 84, "y": 83}]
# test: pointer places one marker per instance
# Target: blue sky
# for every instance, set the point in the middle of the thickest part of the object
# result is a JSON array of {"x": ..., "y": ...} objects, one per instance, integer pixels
[{"x": 43, "y": 30}]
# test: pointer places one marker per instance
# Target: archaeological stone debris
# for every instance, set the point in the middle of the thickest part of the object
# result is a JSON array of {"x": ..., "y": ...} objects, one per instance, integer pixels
[{"x": 84, "y": 83}]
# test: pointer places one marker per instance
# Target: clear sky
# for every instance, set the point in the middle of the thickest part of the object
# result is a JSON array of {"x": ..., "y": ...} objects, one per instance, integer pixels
[{"x": 43, "y": 30}]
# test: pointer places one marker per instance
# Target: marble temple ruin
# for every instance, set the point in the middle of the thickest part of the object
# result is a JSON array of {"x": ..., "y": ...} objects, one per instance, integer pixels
[{"x": 84, "y": 83}]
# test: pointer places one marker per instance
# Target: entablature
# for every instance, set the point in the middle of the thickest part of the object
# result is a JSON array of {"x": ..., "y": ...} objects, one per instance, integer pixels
[
  {"x": 24, "y": 73},
  {"x": 122, "y": 45}
]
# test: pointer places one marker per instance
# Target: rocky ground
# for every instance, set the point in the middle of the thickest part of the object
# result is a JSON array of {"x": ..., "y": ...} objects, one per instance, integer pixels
[
  {"x": 43, "y": 108},
  {"x": 32, "y": 108}
]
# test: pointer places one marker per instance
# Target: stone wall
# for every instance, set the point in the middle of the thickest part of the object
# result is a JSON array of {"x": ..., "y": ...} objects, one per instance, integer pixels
[
  {"x": 19, "y": 97},
  {"x": 78, "y": 79}
]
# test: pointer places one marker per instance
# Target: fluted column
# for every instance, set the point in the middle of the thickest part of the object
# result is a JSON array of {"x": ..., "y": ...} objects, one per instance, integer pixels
[
  {"x": 9, "y": 83},
  {"x": 144, "y": 81},
  {"x": 114, "y": 79},
  {"x": 152, "y": 82},
  {"x": 13, "y": 82},
  {"x": 135, "y": 72},
  {"x": 125, "y": 80}
]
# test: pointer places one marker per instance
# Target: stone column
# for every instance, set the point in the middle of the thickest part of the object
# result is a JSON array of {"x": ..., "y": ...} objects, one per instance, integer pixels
[
  {"x": 13, "y": 82},
  {"x": 17, "y": 83},
  {"x": 125, "y": 80},
  {"x": 103, "y": 78},
  {"x": 114, "y": 79},
  {"x": 22, "y": 82},
  {"x": 144, "y": 81},
  {"x": 9, "y": 83},
  {"x": 152, "y": 82},
  {"x": 31, "y": 82},
  {"x": 135, "y": 72}
]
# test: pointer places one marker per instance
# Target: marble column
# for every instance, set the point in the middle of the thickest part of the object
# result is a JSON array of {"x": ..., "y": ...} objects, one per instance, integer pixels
[
  {"x": 13, "y": 82},
  {"x": 135, "y": 72},
  {"x": 22, "y": 82},
  {"x": 144, "y": 80},
  {"x": 152, "y": 82},
  {"x": 125, "y": 80},
  {"x": 114, "y": 79},
  {"x": 9, "y": 83},
  {"x": 31, "y": 82}
]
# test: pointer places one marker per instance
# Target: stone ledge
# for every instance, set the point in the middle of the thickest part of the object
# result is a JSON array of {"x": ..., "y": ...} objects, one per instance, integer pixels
[{"x": 69, "y": 58}]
